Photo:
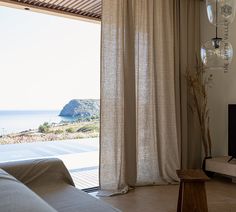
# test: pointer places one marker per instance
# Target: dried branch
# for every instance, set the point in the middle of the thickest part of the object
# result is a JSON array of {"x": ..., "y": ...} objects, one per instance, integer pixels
[{"x": 198, "y": 85}]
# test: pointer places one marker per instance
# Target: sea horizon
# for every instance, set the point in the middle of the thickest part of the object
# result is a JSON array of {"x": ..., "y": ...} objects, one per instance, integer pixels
[
  {"x": 20, "y": 110},
  {"x": 13, "y": 121}
]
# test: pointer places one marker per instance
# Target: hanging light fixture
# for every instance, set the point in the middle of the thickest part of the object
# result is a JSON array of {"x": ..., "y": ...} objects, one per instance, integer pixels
[
  {"x": 223, "y": 14},
  {"x": 217, "y": 52}
]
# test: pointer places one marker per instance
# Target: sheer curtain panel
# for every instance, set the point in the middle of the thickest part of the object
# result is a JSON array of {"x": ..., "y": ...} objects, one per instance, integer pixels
[{"x": 140, "y": 142}]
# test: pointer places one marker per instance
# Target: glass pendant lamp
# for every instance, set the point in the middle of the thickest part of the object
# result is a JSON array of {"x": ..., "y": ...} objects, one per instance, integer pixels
[
  {"x": 221, "y": 14},
  {"x": 217, "y": 53}
]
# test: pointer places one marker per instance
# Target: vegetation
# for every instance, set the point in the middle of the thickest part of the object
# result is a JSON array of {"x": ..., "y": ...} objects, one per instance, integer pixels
[
  {"x": 44, "y": 128},
  {"x": 198, "y": 84},
  {"x": 89, "y": 128},
  {"x": 70, "y": 130},
  {"x": 53, "y": 132},
  {"x": 58, "y": 131},
  {"x": 86, "y": 113}
]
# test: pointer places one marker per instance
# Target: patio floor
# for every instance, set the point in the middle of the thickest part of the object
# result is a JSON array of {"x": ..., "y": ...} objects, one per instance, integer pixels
[
  {"x": 81, "y": 157},
  {"x": 85, "y": 179}
]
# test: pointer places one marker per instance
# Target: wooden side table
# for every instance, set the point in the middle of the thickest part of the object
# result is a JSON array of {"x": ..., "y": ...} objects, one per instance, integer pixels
[{"x": 192, "y": 192}]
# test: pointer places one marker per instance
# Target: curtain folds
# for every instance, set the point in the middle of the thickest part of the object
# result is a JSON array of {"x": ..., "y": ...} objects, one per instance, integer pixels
[
  {"x": 187, "y": 29},
  {"x": 141, "y": 96}
]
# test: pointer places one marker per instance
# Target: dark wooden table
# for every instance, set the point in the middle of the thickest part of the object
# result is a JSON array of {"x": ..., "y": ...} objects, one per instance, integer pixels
[{"x": 192, "y": 192}]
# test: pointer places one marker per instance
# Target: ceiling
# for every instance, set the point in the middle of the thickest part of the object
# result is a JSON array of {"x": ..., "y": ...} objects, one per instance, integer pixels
[{"x": 88, "y": 9}]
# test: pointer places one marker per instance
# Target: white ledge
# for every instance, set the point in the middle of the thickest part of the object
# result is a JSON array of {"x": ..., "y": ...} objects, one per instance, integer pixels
[{"x": 220, "y": 165}]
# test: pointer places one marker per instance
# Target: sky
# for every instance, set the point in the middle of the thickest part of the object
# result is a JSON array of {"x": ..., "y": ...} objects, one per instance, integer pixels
[{"x": 45, "y": 60}]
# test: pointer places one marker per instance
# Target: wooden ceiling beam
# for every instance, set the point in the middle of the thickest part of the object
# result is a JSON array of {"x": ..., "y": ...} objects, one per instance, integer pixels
[{"x": 59, "y": 8}]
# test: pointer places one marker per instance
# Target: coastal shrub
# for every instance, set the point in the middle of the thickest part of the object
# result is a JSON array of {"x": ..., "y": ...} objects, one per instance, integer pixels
[
  {"x": 70, "y": 130},
  {"x": 94, "y": 117},
  {"x": 89, "y": 128},
  {"x": 44, "y": 128},
  {"x": 87, "y": 119},
  {"x": 58, "y": 131},
  {"x": 84, "y": 119},
  {"x": 84, "y": 129}
]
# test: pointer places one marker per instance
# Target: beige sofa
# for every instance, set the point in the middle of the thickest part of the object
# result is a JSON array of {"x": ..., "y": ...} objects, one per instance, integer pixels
[{"x": 43, "y": 185}]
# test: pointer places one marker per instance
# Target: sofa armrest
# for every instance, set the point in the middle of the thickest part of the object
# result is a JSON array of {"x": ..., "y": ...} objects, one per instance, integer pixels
[
  {"x": 15, "y": 196},
  {"x": 38, "y": 172}
]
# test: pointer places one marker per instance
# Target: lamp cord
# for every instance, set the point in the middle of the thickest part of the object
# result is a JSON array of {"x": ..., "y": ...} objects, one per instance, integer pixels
[{"x": 216, "y": 18}]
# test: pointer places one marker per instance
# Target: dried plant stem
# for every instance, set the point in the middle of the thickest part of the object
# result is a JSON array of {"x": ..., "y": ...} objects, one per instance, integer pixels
[{"x": 198, "y": 86}]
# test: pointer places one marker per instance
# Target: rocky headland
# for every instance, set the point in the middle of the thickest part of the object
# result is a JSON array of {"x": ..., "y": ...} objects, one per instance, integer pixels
[{"x": 85, "y": 124}]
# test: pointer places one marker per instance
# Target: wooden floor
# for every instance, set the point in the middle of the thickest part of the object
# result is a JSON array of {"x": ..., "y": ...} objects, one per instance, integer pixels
[
  {"x": 221, "y": 196},
  {"x": 84, "y": 179}
]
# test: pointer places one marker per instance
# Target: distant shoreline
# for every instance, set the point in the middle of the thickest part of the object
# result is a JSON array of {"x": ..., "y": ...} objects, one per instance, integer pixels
[
  {"x": 18, "y": 121},
  {"x": 55, "y": 131}
]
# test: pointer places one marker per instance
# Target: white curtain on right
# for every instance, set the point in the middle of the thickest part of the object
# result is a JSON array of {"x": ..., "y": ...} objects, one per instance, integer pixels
[{"x": 139, "y": 138}]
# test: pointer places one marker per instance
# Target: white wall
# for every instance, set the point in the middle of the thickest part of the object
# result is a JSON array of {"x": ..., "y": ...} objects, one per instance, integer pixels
[{"x": 222, "y": 92}]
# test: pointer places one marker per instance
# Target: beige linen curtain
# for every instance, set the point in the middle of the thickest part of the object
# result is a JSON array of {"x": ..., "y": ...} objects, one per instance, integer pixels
[
  {"x": 187, "y": 43},
  {"x": 141, "y": 131}
]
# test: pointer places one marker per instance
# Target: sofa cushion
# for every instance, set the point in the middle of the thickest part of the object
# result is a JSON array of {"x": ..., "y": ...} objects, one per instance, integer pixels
[
  {"x": 16, "y": 197},
  {"x": 67, "y": 198},
  {"x": 50, "y": 179}
]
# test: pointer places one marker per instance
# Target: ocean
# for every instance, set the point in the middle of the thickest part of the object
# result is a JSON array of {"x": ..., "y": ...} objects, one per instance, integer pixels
[{"x": 18, "y": 121}]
